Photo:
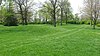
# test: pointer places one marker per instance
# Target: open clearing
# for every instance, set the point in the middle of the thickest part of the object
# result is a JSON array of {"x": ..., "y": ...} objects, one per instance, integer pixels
[{"x": 46, "y": 40}]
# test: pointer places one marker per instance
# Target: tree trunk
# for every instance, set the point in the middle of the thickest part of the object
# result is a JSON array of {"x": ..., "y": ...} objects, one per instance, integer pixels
[
  {"x": 61, "y": 15},
  {"x": 46, "y": 20},
  {"x": 54, "y": 22},
  {"x": 22, "y": 21},
  {"x": 94, "y": 24},
  {"x": 91, "y": 18},
  {"x": 91, "y": 23},
  {"x": 66, "y": 19},
  {"x": 54, "y": 16},
  {"x": 26, "y": 21},
  {"x": 21, "y": 12}
]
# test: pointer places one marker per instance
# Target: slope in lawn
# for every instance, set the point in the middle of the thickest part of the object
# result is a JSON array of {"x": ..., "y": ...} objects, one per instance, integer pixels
[{"x": 45, "y": 40}]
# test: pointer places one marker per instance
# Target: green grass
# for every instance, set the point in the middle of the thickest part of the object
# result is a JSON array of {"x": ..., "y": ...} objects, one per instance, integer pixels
[{"x": 46, "y": 40}]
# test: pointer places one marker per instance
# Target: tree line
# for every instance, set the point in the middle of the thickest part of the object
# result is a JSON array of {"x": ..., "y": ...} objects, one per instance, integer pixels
[
  {"x": 20, "y": 11},
  {"x": 56, "y": 11},
  {"x": 14, "y": 12}
]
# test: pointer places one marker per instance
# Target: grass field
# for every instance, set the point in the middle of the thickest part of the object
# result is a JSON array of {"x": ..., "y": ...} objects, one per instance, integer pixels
[{"x": 45, "y": 40}]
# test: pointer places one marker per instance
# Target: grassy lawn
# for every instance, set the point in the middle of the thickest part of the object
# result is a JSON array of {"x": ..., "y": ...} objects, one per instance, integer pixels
[{"x": 45, "y": 40}]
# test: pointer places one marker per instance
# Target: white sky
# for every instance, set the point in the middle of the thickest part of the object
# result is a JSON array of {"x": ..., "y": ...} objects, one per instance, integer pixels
[{"x": 75, "y": 4}]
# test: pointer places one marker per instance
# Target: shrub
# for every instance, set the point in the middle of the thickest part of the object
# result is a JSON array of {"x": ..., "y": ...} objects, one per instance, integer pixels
[
  {"x": 49, "y": 22},
  {"x": 10, "y": 21},
  {"x": 98, "y": 25},
  {"x": 37, "y": 23},
  {"x": 77, "y": 22},
  {"x": 0, "y": 23},
  {"x": 82, "y": 22},
  {"x": 43, "y": 22},
  {"x": 88, "y": 22},
  {"x": 73, "y": 22}
]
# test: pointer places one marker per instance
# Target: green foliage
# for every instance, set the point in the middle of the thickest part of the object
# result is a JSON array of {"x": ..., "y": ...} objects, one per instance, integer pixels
[
  {"x": 1, "y": 23},
  {"x": 79, "y": 22},
  {"x": 3, "y": 12},
  {"x": 37, "y": 22},
  {"x": 10, "y": 21},
  {"x": 98, "y": 25},
  {"x": 82, "y": 22},
  {"x": 73, "y": 22},
  {"x": 87, "y": 22},
  {"x": 8, "y": 15}
]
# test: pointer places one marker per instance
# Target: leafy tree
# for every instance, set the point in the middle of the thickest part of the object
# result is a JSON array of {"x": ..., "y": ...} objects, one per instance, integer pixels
[
  {"x": 67, "y": 10},
  {"x": 10, "y": 19},
  {"x": 49, "y": 11},
  {"x": 44, "y": 13}
]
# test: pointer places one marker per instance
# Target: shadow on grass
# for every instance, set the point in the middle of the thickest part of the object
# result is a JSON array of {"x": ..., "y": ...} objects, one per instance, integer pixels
[
  {"x": 11, "y": 31},
  {"x": 91, "y": 28}
]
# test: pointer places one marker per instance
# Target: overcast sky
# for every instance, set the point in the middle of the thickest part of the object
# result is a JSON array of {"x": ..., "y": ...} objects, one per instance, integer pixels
[{"x": 75, "y": 4}]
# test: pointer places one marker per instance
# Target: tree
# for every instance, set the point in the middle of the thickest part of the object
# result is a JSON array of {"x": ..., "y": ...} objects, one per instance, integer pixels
[
  {"x": 0, "y": 7},
  {"x": 96, "y": 12},
  {"x": 61, "y": 5},
  {"x": 88, "y": 9},
  {"x": 92, "y": 9},
  {"x": 50, "y": 11},
  {"x": 67, "y": 10},
  {"x": 8, "y": 13},
  {"x": 44, "y": 13},
  {"x": 54, "y": 6},
  {"x": 24, "y": 6},
  {"x": 0, "y": 2}
]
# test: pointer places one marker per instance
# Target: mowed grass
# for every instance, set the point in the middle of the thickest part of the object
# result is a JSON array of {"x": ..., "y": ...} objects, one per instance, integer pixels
[{"x": 46, "y": 40}]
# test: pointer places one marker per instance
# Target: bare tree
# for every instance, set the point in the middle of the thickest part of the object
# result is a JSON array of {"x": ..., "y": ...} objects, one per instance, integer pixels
[
  {"x": 96, "y": 11},
  {"x": 61, "y": 5},
  {"x": 54, "y": 5},
  {"x": 88, "y": 9},
  {"x": 24, "y": 6},
  {"x": 92, "y": 9}
]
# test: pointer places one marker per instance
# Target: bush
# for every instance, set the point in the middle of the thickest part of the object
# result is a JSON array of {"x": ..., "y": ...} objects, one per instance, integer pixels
[
  {"x": 98, "y": 25},
  {"x": 43, "y": 22},
  {"x": 87, "y": 23},
  {"x": 73, "y": 22},
  {"x": 10, "y": 21},
  {"x": 77, "y": 22},
  {"x": 82, "y": 22},
  {"x": 37, "y": 22},
  {"x": 0, "y": 23},
  {"x": 49, "y": 22}
]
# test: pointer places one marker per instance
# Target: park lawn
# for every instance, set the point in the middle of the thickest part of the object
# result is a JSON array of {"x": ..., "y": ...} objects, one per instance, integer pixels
[{"x": 46, "y": 40}]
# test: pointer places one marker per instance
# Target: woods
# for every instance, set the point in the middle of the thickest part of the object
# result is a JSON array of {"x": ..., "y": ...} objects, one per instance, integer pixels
[
  {"x": 53, "y": 11},
  {"x": 50, "y": 12}
]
